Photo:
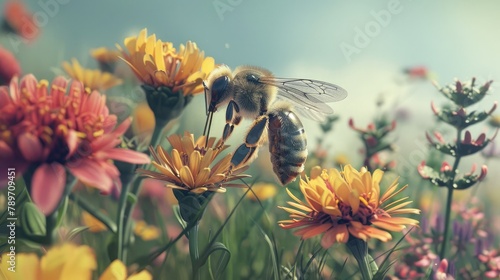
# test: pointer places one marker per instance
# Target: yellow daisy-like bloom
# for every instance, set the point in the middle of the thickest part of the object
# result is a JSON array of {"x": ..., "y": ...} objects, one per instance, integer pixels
[
  {"x": 63, "y": 262},
  {"x": 158, "y": 63},
  {"x": 145, "y": 231},
  {"x": 105, "y": 55},
  {"x": 263, "y": 191},
  {"x": 339, "y": 204},
  {"x": 91, "y": 79},
  {"x": 190, "y": 166},
  {"x": 92, "y": 223},
  {"x": 118, "y": 271}
]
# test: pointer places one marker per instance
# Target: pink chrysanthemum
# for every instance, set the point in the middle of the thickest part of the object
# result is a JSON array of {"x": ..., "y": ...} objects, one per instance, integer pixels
[
  {"x": 46, "y": 130},
  {"x": 9, "y": 67}
]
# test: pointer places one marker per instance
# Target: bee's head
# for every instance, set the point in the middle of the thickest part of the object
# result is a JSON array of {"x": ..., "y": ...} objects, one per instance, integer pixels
[{"x": 218, "y": 87}]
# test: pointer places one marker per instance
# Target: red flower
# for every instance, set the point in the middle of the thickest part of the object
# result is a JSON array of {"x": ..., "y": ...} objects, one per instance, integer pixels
[
  {"x": 48, "y": 134},
  {"x": 19, "y": 20},
  {"x": 9, "y": 67}
]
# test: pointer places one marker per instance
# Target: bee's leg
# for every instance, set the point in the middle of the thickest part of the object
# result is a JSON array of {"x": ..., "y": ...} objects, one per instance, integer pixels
[
  {"x": 244, "y": 153},
  {"x": 232, "y": 119}
]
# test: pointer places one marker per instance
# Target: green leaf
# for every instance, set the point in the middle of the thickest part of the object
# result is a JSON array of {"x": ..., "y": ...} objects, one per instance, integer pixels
[
  {"x": 32, "y": 220},
  {"x": 220, "y": 263},
  {"x": 131, "y": 198},
  {"x": 62, "y": 211},
  {"x": 75, "y": 232}
]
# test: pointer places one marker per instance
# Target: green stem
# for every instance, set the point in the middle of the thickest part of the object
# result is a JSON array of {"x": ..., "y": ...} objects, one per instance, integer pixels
[
  {"x": 359, "y": 250},
  {"x": 85, "y": 205},
  {"x": 124, "y": 208},
  {"x": 194, "y": 251},
  {"x": 449, "y": 199}
]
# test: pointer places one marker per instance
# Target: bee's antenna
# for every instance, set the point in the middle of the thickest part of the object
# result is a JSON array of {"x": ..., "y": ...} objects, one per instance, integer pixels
[
  {"x": 205, "y": 88},
  {"x": 208, "y": 125}
]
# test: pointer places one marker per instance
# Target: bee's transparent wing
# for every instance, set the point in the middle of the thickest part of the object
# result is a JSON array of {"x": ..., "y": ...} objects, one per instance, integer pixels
[{"x": 308, "y": 96}]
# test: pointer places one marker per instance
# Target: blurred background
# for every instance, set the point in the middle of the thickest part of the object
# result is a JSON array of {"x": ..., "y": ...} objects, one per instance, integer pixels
[{"x": 362, "y": 46}]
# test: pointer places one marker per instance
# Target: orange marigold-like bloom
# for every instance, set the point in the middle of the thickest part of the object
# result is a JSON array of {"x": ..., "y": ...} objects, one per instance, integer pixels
[
  {"x": 339, "y": 204},
  {"x": 92, "y": 79},
  {"x": 190, "y": 166},
  {"x": 48, "y": 129},
  {"x": 158, "y": 63}
]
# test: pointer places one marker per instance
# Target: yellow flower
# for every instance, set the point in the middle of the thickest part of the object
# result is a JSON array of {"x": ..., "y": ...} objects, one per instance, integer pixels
[
  {"x": 91, "y": 79},
  {"x": 341, "y": 159},
  {"x": 63, "y": 262},
  {"x": 339, "y": 204},
  {"x": 145, "y": 231},
  {"x": 118, "y": 271},
  {"x": 92, "y": 223},
  {"x": 105, "y": 55},
  {"x": 143, "y": 121},
  {"x": 158, "y": 63},
  {"x": 190, "y": 166},
  {"x": 263, "y": 191},
  {"x": 495, "y": 121}
]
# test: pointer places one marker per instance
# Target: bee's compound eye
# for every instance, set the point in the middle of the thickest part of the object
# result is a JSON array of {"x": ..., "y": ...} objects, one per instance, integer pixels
[{"x": 219, "y": 86}]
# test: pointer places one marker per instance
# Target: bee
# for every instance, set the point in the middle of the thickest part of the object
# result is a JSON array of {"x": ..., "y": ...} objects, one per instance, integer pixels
[{"x": 254, "y": 93}]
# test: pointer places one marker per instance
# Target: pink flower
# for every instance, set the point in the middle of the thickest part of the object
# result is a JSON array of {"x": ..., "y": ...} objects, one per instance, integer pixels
[
  {"x": 9, "y": 67},
  {"x": 19, "y": 20},
  {"x": 44, "y": 132}
]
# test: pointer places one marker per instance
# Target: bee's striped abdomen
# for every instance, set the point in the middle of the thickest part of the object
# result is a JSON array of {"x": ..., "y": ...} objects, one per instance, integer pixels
[{"x": 287, "y": 144}]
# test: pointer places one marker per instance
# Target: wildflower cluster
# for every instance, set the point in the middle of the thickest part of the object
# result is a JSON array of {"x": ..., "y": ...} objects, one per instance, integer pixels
[{"x": 375, "y": 142}]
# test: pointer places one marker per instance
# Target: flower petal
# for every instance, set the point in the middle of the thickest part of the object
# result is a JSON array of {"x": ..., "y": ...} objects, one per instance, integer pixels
[{"x": 47, "y": 187}]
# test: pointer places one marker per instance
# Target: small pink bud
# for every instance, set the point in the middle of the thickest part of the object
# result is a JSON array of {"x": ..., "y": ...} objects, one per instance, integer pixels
[
  {"x": 461, "y": 112},
  {"x": 467, "y": 138},
  {"x": 472, "y": 170},
  {"x": 434, "y": 109},
  {"x": 442, "y": 271},
  {"x": 458, "y": 86},
  {"x": 371, "y": 127},
  {"x": 493, "y": 108},
  {"x": 429, "y": 138},
  {"x": 439, "y": 137},
  {"x": 484, "y": 171},
  {"x": 420, "y": 169},
  {"x": 486, "y": 86},
  {"x": 445, "y": 166},
  {"x": 480, "y": 139},
  {"x": 351, "y": 123}
]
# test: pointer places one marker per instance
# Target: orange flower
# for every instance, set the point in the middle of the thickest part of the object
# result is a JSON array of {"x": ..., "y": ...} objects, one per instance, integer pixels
[
  {"x": 190, "y": 166},
  {"x": 92, "y": 223},
  {"x": 158, "y": 63},
  {"x": 339, "y": 204}
]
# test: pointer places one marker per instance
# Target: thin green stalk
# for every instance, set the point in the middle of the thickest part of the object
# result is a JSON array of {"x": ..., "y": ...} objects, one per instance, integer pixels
[
  {"x": 449, "y": 199},
  {"x": 125, "y": 207},
  {"x": 194, "y": 251},
  {"x": 85, "y": 205}
]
